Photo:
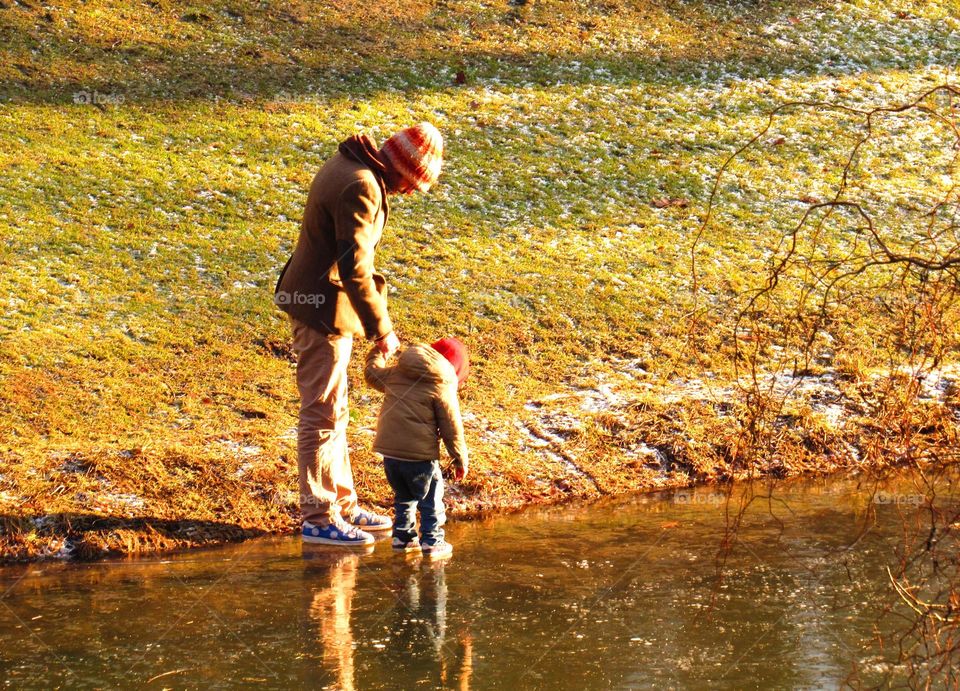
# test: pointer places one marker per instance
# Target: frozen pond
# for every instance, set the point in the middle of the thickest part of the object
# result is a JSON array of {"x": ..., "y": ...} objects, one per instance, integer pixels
[{"x": 634, "y": 593}]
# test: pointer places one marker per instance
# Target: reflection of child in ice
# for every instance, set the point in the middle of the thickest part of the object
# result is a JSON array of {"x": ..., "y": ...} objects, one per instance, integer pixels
[
  {"x": 420, "y": 408},
  {"x": 426, "y": 599},
  {"x": 419, "y": 634}
]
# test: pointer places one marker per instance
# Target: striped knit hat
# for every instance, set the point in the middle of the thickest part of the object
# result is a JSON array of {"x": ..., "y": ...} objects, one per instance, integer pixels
[{"x": 415, "y": 154}]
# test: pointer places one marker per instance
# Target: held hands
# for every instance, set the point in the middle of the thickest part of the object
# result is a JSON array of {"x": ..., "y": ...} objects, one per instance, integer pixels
[
  {"x": 459, "y": 472},
  {"x": 389, "y": 343}
]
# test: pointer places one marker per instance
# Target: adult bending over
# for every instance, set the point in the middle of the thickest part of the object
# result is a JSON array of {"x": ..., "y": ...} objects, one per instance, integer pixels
[{"x": 331, "y": 292}]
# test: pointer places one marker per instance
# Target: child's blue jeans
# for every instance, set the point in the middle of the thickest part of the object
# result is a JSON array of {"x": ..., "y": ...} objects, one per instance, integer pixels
[{"x": 416, "y": 485}]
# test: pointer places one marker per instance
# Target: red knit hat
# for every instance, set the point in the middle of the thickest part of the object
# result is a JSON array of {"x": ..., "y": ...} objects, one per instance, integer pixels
[
  {"x": 456, "y": 354},
  {"x": 416, "y": 155}
]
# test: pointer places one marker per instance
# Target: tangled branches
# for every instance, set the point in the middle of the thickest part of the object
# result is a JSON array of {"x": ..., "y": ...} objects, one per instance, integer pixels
[
  {"x": 862, "y": 288},
  {"x": 926, "y": 583}
]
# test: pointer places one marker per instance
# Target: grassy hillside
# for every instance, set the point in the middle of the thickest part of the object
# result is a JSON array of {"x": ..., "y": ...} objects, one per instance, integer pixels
[{"x": 154, "y": 163}]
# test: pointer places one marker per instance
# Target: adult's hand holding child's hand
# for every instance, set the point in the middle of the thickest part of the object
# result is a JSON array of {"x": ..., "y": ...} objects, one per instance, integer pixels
[
  {"x": 389, "y": 343},
  {"x": 459, "y": 473}
]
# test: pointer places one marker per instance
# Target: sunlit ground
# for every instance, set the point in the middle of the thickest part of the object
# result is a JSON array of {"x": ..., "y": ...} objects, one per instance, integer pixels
[{"x": 155, "y": 162}]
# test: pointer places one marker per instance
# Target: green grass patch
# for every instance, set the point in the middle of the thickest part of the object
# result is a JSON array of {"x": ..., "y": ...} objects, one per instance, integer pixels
[{"x": 156, "y": 158}]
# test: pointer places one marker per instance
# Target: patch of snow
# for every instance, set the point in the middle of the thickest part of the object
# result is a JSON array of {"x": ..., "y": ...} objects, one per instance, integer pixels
[
  {"x": 119, "y": 500},
  {"x": 240, "y": 449},
  {"x": 71, "y": 465},
  {"x": 939, "y": 384},
  {"x": 538, "y": 439},
  {"x": 546, "y": 441},
  {"x": 600, "y": 399},
  {"x": 41, "y": 522},
  {"x": 642, "y": 449},
  {"x": 58, "y": 549},
  {"x": 832, "y": 413}
]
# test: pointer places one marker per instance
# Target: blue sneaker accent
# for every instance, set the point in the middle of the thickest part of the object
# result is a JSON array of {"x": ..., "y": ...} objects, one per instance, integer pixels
[
  {"x": 337, "y": 533},
  {"x": 369, "y": 521}
]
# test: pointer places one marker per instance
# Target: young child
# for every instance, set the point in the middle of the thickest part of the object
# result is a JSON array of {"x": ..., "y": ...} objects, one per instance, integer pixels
[{"x": 420, "y": 408}]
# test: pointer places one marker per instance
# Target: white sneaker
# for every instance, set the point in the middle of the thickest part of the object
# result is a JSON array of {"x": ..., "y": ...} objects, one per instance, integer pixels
[
  {"x": 401, "y": 546},
  {"x": 438, "y": 550}
]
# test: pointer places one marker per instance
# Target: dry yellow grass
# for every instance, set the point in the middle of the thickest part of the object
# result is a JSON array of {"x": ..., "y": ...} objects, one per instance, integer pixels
[{"x": 155, "y": 162}]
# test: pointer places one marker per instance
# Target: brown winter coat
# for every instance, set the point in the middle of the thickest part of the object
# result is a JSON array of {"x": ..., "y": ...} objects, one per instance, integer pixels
[
  {"x": 329, "y": 282},
  {"x": 420, "y": 407}
]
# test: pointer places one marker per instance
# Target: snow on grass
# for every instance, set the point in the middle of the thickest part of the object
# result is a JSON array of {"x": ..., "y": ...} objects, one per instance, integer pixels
[
  {"x": 113, "y": 503},
  {"x": 554, "y": 417},
  {"x": 142, "y": 238}
]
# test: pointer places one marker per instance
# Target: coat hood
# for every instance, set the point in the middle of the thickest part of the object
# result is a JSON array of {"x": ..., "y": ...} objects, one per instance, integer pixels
[
  {"x": 422, "y": 361},
  {"x": 362, "y": 149}
]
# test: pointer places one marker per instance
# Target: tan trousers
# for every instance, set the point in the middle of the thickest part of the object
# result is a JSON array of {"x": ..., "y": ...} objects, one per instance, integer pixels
[{"x": 326, "y": 478}]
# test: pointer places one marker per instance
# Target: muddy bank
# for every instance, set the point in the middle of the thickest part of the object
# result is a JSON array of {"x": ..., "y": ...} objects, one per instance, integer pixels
[{"x": 613, "y": 431}]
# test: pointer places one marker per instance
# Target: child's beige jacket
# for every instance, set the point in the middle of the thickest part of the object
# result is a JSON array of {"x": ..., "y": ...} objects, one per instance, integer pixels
[{"x": 420, "y": 408}]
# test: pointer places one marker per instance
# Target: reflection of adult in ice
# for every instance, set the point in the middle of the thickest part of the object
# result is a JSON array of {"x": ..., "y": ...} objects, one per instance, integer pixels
[
  {"x": 330, "y": 609},
  {"x": 331, "y": 291}
]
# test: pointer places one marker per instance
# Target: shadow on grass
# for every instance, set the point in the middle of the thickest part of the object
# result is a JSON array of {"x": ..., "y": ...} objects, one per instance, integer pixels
[
  {"x": 284, "y": 56},
  {"x": 91, "y": 536}
]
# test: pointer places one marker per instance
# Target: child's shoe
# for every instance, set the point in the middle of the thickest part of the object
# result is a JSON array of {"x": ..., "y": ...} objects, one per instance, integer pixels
[
  {"x": 412, "y": 545},
  {"x": 437, "y": 550},
  {"x": 337, "y": 533},
  {"x": 369, "y": 521}
]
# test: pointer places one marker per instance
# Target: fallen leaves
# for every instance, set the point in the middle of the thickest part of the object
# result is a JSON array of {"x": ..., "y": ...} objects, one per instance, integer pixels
[{"x": 668, "y": 202}]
